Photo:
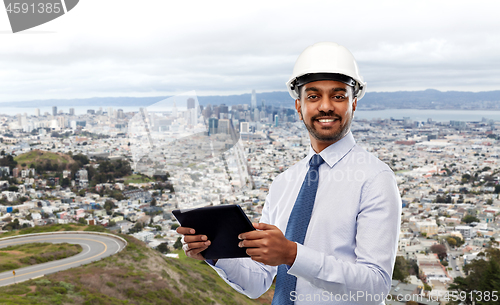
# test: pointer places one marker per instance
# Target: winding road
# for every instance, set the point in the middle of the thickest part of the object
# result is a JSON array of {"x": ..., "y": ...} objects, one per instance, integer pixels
[{"x": 95, "y": 247}]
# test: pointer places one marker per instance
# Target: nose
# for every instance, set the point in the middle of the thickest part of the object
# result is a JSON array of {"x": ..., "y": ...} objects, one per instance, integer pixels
[{"x": 326, "y": 104}]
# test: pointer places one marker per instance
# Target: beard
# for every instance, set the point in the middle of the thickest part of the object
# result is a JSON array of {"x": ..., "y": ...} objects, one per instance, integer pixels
[{"x": 333, "y": 135}]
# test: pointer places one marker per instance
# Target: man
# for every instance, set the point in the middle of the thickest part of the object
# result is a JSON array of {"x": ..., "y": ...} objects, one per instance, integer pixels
[{"x": 331, "y": 221}]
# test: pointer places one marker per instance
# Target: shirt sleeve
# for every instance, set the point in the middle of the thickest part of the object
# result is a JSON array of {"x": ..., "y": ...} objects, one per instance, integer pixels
[
  {"x": 246, "y": 276},
  {"x": 377, "y": 225}
]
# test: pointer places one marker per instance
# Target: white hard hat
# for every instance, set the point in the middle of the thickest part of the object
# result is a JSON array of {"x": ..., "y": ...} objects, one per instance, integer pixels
[{"x": 326, "y": 61}]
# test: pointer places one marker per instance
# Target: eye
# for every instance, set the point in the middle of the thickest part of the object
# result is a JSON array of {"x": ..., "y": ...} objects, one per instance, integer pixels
[
  {"x": 339, "y": 97},
  {"x": 312, "y": 97}
]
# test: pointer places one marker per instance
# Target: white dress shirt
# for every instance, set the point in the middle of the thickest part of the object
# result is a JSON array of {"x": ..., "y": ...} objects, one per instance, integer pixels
[{"x": 351, "y": 242}]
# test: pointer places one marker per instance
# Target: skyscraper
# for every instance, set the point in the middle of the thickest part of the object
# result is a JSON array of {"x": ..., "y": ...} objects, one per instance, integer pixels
[
  {"x": 244, "y": 127},
  {"x": 71, "y": 111},
  {"x": 54, "y": 110},
  {"x": 190, "y": 103},
  {"x": 253, "y": 103},
  {"x": 37, "y": 112},
  {"x": 256, "y": 115},
  {"x": 223, "y": 126},
  {"x": 213, "y": 125}
]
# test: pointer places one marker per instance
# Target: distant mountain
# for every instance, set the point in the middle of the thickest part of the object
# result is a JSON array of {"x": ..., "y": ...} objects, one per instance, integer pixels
[
  {"x": 432, "y": 99},
  {"x": 426, "y": 99}
]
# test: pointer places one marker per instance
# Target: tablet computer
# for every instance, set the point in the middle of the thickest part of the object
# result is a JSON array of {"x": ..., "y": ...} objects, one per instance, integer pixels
[{"x": 221, "y": 224}]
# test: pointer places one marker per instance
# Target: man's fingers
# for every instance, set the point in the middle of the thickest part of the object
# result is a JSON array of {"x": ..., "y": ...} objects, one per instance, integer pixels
[
  {"x": 263, "y": 226},
  {"x": 194, "y": 238},
  {"x": 198, "y": 245},
  {"x": 185, "y": 231},
  {"x": 194, "y": 252},
  {"x": 253, "y": 235},
  {"x": 249, "y": 243}
]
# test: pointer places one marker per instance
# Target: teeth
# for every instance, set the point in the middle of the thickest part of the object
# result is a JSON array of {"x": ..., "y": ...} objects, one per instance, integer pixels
[{"x": 326, "y": 120}]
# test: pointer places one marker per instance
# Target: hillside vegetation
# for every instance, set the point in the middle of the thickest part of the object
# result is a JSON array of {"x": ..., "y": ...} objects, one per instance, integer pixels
[
  {"x": 137, "y": 275},
  {"x": 40, "y": 157},
  {"x": 19, "y": 256}
]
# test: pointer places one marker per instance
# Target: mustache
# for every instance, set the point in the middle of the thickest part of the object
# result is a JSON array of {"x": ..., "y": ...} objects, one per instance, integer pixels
[{"x": 323, "y": 114}]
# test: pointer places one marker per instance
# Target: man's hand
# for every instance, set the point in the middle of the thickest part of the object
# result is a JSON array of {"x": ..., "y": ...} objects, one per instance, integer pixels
[
  {"x": 193, "y": 244},
  {"x": 268, "y": 245}
]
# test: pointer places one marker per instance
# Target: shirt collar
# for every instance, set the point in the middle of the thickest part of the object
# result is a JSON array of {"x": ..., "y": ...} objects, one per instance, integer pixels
[{"x": 335, "y": 152}]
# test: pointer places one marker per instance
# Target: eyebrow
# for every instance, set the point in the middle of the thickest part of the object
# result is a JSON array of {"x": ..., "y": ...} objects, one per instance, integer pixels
[{"x": 314, "y": 89}]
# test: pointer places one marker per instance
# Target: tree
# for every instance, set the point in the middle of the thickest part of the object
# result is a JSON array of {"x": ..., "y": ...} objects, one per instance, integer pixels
[
  {"x": 440, "y": 250},
  {"x": 451, "y": 241},
  {"x": 174, "y": 226},
  {"x": 470, "y": 219},
  {"x": 401, "y": 269},
  {"x": 163, "y": 248},
  {"x": 137, "y": 228},
  {"x": 497, "y": 189},
  {"x": 483, "y": 275},
  {"x": 12, "y": 225},
  {"x": 82, "y": 220},
  {"x": 108, "y": 205},
  {"x": 178, "y": 243}
]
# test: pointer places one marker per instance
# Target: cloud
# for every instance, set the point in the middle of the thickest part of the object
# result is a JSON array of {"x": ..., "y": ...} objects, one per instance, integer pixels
[{"x": 155, "y": 47}]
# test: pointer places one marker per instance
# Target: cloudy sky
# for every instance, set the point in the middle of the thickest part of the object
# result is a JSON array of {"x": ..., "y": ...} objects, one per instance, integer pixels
[{"x": 158, "y": 47}]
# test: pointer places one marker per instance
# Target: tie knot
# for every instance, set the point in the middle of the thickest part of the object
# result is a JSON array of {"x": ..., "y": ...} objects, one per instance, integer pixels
[{"x": 316, "y": 161}]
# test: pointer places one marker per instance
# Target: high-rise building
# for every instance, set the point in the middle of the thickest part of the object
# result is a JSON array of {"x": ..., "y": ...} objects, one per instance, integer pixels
[
  {"x": 174, "y": 110},
  {"x": 61, "y": 122},
  {"x": 253, "y": 102},
  {"x": 256, "y": 115},
  {"x": 213, "y": 125},
  {"x": 244, "y": 127},
  {"x": 193, "y": 116},
  {"x": 223, "y": 126},
  {"x": 223, "y": 108},
  {"x": 190, "y": 103},
  {"x": 54, "y": 110},
  {"x": 110, "y": 112},
  {"x": 207, "y": 112},
  {"x": 71, "y": 111},
  {"x": 120, "y": 114},
  {"x": 276, "y": 123},
  {"x": 37, "y": 112}
]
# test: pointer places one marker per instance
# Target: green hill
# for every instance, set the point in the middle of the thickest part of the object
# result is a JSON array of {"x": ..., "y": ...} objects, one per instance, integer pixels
[
  {"x": 137, "y": 275},
  {"x": 40, "y": 157}
]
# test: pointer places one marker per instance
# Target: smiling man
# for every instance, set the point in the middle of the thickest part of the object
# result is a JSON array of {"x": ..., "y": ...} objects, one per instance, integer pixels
[{"x": 330, "y": 223}]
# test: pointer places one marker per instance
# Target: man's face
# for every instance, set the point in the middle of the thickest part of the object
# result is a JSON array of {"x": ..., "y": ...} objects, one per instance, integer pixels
[{"x": 327, "y": 108}]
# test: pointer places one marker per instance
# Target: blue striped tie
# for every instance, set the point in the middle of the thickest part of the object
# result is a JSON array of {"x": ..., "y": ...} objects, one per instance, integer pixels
[{"x": 296, "y": 229}]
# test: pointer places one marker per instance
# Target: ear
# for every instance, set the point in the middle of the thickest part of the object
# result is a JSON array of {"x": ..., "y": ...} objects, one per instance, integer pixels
[
  {"x": 297, "y": 107},
  {"x": 354, "y": 104}
]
